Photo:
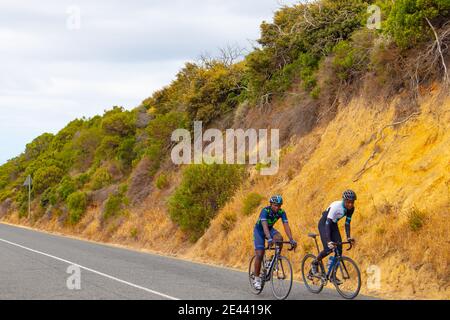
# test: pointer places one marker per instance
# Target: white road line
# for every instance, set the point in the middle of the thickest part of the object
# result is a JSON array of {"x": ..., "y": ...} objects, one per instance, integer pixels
[{"x": 92, "y": 270}]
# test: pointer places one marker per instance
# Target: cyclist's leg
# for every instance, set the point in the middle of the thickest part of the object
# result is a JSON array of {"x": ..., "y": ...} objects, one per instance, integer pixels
[
  {"x": 276, "y": 236},
  {"x": 336, "y": 237},
  {"x": 259, "y": 244},
  {"x": 326, "y": 251}
]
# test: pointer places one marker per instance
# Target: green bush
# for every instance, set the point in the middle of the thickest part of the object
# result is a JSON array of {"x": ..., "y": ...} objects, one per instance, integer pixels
[
  {"x": 114, "y": 205},
  {"x": 213, "y": 90},
  {"x": 66, "y": 187},
  {"x": 134, "y": 233},
  {"x": 203, "y": 190},
  {"x": 46, "y": 177},
  {"x": 251, "y": 202},
  {"x": 84, "y": 147},
  {"x": 118, "y": 122},
  {"x": 100, "y": 179},
  {"x": 108, "y": 148},
  {"x": 162, "y": 181},
  {"x": 38, "y": 146},
  {"x": 82, "y": 179},
  {"x": 160, "y": 131},
  {"x": 297, "y": 32},
  {"x": 49, "y": 197},
  {"x": 349, "y": 60},
  {"x": 5, "y": 194},
  {"x": 126, "y": 153},
  {"x": 416, "y": 219},
  {"x": 77, "y": 204},
  {"x": 406, "y": 21}
]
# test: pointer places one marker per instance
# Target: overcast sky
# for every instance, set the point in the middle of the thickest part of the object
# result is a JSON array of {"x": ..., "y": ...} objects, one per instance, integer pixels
[{"x": 56, "y": 65}]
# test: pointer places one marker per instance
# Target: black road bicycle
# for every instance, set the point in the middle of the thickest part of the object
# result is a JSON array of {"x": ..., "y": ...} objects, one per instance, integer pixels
[
  {"x": 276, "y": 269},
  {"x": 343, "y": 273}
]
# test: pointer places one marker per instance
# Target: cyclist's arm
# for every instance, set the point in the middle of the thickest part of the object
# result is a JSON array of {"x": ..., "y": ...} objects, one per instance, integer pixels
[
  {"x": 287, "y": 228},
  {"x": 347, "y": 226},
  {"x": 265, "y": 226}
]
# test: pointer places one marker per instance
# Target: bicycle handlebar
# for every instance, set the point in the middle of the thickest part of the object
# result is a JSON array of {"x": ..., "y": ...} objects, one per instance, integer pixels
[
  {"x": 350, "y": 243},
  {"x": 279, "y": 242}
]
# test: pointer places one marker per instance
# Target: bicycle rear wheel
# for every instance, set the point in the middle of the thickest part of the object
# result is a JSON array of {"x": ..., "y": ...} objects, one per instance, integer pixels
[
  {"x": 282, "y": 278},
  {"x": 251, "y": 276},
  {"x": 346, "y": 277},
  {"x": 312, "y": 282}
]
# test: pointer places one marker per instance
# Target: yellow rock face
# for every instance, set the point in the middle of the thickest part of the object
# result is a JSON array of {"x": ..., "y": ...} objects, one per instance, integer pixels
[{"x": 401, "y": 221}]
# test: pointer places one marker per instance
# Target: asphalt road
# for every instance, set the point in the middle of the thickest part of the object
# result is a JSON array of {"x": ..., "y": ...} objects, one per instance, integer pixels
[{"x": 37, "y": 265}]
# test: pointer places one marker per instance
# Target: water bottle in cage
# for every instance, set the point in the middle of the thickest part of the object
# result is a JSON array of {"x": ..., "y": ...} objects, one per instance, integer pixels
[
  {"x": 330, "y": 264},
  {"x": 267, "y": 263}
]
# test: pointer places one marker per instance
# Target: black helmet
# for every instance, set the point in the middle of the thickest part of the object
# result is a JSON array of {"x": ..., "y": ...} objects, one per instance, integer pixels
[
  {"x": 276, "y": 200},
  {"x": 349, "y": 195}
]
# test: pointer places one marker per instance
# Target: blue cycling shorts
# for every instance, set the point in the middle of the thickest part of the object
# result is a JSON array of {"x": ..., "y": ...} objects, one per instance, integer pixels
[{"x": 259, "y": 237}]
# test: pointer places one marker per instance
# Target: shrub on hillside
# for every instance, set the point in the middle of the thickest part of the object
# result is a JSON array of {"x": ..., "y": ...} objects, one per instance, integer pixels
[
  {"x": 311, "y": 29},
  {"x": 162, "y": 181},
  {"x": 406, "y": 20},
  {"x": 251, "y": 202},
  {"x": 416, "y": 219},
  {"x": 159, "y": 136},
  {"x": 100, "y": 179},
  {"x": 66, "y": 188},
  {"x": 118, "y": 122},
  {"x": 116, "y": 203},
  {"x": 203, "y": 190},
  {"x": 46, "y": 177},
  {"x": 49, "y": 197},
  {"x": 38, "y": 146},
  {"x": 77, "y": 204}
]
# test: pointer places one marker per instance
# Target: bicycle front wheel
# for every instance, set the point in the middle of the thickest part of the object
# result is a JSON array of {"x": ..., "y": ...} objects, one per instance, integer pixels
[
  {"x": 282, "y": 278},
  {"x": 346, "y": 277},
  {"x": 312, "y": 282}
]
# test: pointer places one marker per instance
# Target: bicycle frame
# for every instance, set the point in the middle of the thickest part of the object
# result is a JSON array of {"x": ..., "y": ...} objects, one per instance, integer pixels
[
  {"x": 336, "y": 258},
  {"x": 277, "y": 249}
]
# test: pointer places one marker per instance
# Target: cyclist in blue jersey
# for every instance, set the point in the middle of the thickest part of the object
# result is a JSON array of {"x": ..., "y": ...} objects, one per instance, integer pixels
[
  {"x": 264, "y": 230},
  {"x": 328, "y": 226}
]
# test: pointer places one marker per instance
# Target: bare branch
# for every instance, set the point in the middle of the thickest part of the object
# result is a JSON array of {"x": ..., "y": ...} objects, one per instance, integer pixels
[
  {"x": 376, "y": 149},
  {"x": 438, "y": 43}
]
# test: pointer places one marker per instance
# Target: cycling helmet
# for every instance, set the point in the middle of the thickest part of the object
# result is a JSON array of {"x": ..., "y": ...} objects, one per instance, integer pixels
[
  {"x": 349, "y": 195},
  {"x": 276, "y": 199}
]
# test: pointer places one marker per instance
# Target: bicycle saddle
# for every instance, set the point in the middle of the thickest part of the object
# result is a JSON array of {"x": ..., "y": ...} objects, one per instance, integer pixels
[{"x": 312, "y": 235}]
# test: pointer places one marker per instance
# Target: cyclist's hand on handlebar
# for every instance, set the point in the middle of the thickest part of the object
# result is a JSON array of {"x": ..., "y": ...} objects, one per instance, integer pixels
[
  {"x": 270, "y": 243},
  {"x": 351, "y": 240},
  {"x": 331, "y": 245},
  {"x": 293, "y": 243}
]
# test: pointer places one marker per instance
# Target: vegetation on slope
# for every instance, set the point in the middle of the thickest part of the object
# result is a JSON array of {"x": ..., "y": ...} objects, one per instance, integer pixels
[{"x": 321, "y": 52}]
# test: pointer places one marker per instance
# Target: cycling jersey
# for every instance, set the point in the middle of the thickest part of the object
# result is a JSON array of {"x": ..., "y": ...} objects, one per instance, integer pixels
[
  {"x": 337, "y": 211},
  {"x": 328, "y": 225},
  {"x": 271, "y": 217}
]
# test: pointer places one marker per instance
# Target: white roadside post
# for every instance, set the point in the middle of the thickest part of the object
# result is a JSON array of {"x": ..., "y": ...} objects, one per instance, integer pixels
[{"x": 27, "y": 183}]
